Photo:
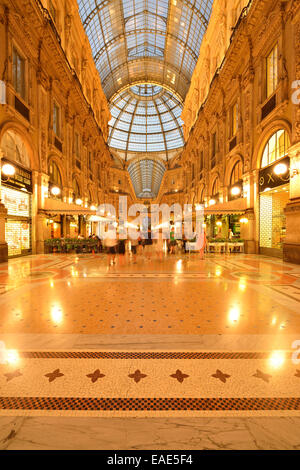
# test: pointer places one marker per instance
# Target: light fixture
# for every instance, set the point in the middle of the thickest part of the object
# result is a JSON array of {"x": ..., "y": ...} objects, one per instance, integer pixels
[
  {"x": 212, "y": 202},
  {"x": 55, "y": 190},
  {"x": 280, "y": 169},
  {"x": 244, "y": 220},
  {"x": 78, "y": 201},
  {"x": 93, "y": 208},
  {"x": 235, "y": 191},
  {"x": 219, "y": 223},
  {"x": 8, "y": 169}
]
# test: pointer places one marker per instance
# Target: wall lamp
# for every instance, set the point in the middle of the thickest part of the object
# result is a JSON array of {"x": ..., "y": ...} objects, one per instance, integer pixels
[
  {"x": 8, "y": 171},
  {"x": 280, "y": 169},
  {"x": 55, "y": 190},
  {"x": 236, "y": 191}
]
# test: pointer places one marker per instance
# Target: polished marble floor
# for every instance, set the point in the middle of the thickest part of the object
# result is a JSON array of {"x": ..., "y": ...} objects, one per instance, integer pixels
[{"x": 161, "y": 346}]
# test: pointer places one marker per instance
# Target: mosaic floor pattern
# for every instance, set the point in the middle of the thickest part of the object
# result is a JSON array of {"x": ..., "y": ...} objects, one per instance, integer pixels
[
  {"x": 174, "y": 339},
  {"x": 97, "y": 382}
]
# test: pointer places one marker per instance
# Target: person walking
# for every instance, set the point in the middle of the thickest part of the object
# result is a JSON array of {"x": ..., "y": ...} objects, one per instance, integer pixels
[
  {"x": 134, "y": 243},
  {"x": 148, "y": 245},
  {"x": 159, "y": 246},
  {"x": 202, "y": 242},
  {"x": 111, "y": 242},
  {"x": 172, "y": 240}
]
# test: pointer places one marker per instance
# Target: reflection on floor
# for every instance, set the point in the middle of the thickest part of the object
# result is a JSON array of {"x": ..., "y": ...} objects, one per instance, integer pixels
[{"x": 205, "y": 345}]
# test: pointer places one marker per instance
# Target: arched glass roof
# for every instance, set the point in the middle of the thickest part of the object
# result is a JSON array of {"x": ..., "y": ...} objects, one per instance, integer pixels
[
  {"x": 145, "y": 40},
  {"x": 146, "y": 118},
  {"x": 145, "y": 52},
  {"x": 146, "y": 176}
]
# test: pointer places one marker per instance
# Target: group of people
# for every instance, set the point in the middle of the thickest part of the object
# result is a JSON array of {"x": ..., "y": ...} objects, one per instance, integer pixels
[{"x": 145, "y": 245}]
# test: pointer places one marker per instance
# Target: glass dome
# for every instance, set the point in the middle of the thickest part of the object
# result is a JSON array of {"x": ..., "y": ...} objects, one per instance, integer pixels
[{"x": 146, "y": 118}]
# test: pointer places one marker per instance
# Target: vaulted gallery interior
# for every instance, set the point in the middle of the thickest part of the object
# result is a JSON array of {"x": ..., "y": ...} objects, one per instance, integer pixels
[{"x": 149, "y": 224}]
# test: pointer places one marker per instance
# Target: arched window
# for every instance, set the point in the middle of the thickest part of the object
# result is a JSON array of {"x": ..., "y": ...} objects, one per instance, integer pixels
[
  {"x": 201, "y": 197},
  {"x": 76, "y": 189},
  {"x": 90, "y": 197},
  {"x": 216, "y": 187},
  {"x": 14, "y": 148},
  {"x": 275, "y": 148},
  {"x": 54, "y": 174},
  {"x": 237, "y": 173}
]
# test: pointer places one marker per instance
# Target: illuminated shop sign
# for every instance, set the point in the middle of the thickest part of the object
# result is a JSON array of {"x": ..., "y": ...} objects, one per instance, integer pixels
[
  {"x": 17, "y": 203},
  {"x": 268, "y": 177},
  {"x": 21, "y": 178}
]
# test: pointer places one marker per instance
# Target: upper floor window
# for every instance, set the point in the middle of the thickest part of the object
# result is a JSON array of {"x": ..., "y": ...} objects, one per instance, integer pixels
[
  {"x": 213, "y": 149},
  {"x": 214, "y": 144},
  {"x": 201, "y": 198},
  {"x": 77, "y": 150},
  {"x": 216, "y": 187},
  {"x": 54, "y": 174},
  {"x": 52, "y": 10},
  {"x": 201, "y": 161},
  {"x": 276, "y": 148},
  {"x": 76, "y": 189},
  {"x": 237, "y": 173},
  {"x": 193, "y": 171},
  {"x": 90, "y": 161},
  {"x": 56, "y": 119},
  {"x": 19, "y": 73},
  {"x": 234, "y": 120},
  {"x": 272, "y": 71},
  {"x": 55, "y": 181}
]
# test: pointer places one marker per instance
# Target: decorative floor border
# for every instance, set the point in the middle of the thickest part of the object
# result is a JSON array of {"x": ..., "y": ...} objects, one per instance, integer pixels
[
  {"x": 141, "y": 355},
  {"x": 149, "y": 404}
]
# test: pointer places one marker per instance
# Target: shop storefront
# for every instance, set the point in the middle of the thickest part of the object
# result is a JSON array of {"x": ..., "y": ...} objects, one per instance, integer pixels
[
  {"x": 16, "y": 195},
  {"x": 55, "y": 226},
  {"x": 274, "y": 191},
  {"x": 274, "y": 196}
]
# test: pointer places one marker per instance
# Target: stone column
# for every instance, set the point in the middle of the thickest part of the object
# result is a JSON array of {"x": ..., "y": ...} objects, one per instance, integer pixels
[
  {"x": 64, "y": 225},
  {"x": 248, "y": 229},
  {"x": 3, "y": 217},
  {"x": 41, "y": 228},
  {"x": 291, "y": 246},
  {"x": 247, "y": 232}
]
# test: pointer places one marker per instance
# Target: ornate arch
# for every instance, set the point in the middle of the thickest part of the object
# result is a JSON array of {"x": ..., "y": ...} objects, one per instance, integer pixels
[
  {"x": 55, "y": 159},
  {"x": 213, "y": 179},
  {"x": 231, "y": 164},
  {"x": 201, "y": 191},
  {"x": 77, "y": 181},
  {"x": 265, "y": 136},
  {"x": 21, "y": 130}
]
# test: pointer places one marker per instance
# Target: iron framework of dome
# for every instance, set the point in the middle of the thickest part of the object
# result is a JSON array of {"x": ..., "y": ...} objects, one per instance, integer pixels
[
  {"x": 139, "y": 42},
  {"x": 146, "y": 176},
  {"x": 155, "y": 41},
  {"x": 146, "y": 119}
]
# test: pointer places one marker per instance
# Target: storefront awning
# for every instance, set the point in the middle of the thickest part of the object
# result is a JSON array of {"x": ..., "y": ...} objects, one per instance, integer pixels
[
  {"x": 55, "y": 206},
  {"x": 238, "y": 206}
]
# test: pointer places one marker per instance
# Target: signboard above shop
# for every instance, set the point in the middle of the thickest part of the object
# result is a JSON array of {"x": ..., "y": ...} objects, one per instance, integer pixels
[
  {"x": 268, "y": 177},
  {"x": 21, "y": 178}
]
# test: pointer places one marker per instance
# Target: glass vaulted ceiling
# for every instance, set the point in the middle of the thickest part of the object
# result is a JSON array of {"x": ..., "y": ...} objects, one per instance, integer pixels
[
  {"x": 146, "y": 118},
  {"x": 139, "y": 42},
  {"x": 154, "y": 41}
]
